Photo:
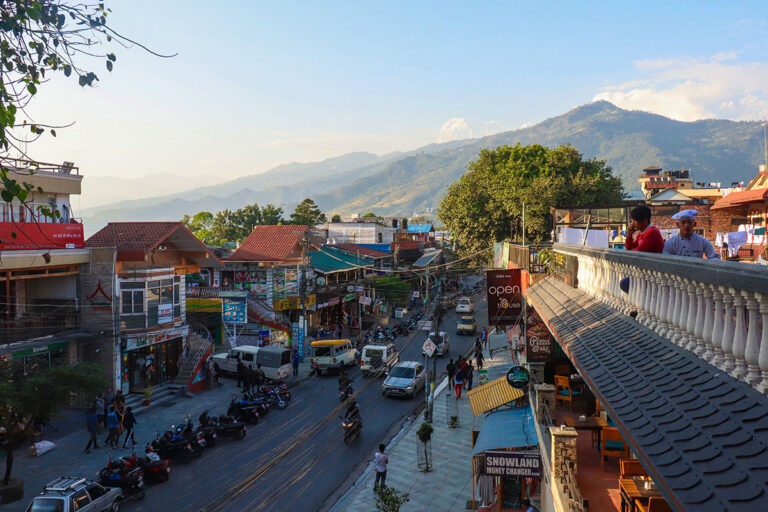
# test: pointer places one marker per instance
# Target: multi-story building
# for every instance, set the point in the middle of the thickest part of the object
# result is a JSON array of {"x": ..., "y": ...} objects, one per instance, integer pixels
[
  {"x": 360, "y": 233},
  {"x": 136, "y": 294},
  {"x": 41, "y": 260}
]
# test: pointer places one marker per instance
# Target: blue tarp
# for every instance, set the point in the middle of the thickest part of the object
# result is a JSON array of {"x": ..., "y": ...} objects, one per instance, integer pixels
[
  {"x": 378, "y": 247},
  {"x": 508, "y": 428},
  {"x": 419, "y": 228}
]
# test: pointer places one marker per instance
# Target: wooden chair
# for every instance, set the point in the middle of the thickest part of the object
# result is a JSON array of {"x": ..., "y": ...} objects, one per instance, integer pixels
[
  {"x": 563, "y": 391},
  {"x": 654, "y": 505},
  {"x": 612, "y": 445},
  {"x": 630, "y": 468}
]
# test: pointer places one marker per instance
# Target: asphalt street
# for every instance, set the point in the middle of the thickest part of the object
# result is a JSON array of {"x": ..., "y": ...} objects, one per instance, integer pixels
[{"x": 244, "y": 475}]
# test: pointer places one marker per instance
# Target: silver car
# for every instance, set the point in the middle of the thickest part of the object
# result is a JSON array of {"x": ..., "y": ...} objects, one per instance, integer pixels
[
  {"x": 70, "y": 494},
  {"x": 405, "y": 379}
]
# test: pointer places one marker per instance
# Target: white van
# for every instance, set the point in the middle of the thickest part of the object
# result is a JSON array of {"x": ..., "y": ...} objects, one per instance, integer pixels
[
  {"x": 378, "y": 359},
  {"x": 334, "y": 354},
  {"x": 275, "y": 361}
]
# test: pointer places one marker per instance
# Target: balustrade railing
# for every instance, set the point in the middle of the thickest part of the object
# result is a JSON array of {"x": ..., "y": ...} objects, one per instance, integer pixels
[{"x": 717, "y": 310}]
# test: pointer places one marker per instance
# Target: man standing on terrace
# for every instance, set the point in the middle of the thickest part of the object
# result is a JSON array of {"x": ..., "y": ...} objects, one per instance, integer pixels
[{"x": 687, "y": 243}]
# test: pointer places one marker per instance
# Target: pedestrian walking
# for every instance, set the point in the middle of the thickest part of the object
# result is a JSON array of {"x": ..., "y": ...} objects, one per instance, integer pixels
[
  {"x": 315, "y": 368},
  {"x": 458, "y": 383},
  {"x": 108, "y": 397},
  {"x": 129, "y": 422},
  {"x": 469, "y": 376},
  {"x": 120, "y": 411},
  {"x": 113, "y": 424},
  {"x": 92, "y": 424},
  {"x": 295, "y": 362},
  {"x": 119, "y": 398},
  {"x": 479, "y": 358},
  {"x": 450, "y": 369},
  {"x": 240, "y": 372},
  {"x": 462, "y": 364},
  {"x": 380, "y": 460},
  {"x": 98, "y": 405},
  {"x": 259, "y": 377}
]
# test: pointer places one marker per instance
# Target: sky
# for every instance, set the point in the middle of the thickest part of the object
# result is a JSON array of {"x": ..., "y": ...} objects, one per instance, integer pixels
[{"x": 255, "y": 84}]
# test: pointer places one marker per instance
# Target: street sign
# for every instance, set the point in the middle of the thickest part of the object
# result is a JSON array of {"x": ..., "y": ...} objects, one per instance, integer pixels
[
  {"x": 365, "y": 301},
  {"x": 424, "y": 325},
  {"x": 429, "y": 347}
]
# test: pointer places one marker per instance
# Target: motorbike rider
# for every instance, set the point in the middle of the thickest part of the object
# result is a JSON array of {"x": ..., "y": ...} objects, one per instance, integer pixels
[{"x": 353, "y": 413}]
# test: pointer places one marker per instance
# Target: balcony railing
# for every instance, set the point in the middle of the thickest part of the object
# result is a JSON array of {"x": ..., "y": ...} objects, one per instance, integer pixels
[
  {"x": 717, "y": 310},
  {"x": 38, "y": 320},
  {"x": 529, "y": 257},
  {"x": 23, "y": 165}
]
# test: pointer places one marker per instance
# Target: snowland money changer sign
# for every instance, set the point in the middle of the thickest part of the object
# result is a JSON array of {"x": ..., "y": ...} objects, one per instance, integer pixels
[
  {"x": 505, "y": 297},
  {"x": 499, "y": 463}
]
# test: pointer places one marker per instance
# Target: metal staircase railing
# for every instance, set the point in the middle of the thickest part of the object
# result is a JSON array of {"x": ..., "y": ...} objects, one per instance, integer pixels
[{"x": 195, "y": 356}]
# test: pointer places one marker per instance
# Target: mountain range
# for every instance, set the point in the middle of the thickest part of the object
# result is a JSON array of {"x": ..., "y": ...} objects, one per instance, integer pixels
[{"x": 402, "y": 183}]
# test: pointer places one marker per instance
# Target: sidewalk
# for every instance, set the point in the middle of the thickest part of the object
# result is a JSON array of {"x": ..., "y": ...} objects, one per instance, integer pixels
[
  {"x": 448, "y": 486},
  {"x": 68, "y": 457}
]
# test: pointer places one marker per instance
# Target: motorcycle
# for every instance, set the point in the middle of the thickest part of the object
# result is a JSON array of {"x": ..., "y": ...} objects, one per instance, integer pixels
[
  {"x": 172, "y": 445},
  {"x": 226, "y": 426},
  {"x": 351, "y": 427},
  {"x": 273, "y": 398},
  {"x": 243, "y": 410},
  {"x": 258, "y": 400},
  {"x": 345, "y": 391},
  {"x": 130, "y": 479},
  {"x": 197, "y": 439},
  {"x": 156, "y": 470}
]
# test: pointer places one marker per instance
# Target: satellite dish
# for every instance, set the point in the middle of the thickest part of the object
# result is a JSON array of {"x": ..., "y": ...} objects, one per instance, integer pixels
[{"x": 162, "y": 247}]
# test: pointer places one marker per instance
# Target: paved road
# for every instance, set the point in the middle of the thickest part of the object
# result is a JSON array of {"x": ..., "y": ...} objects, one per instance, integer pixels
[{"x": 315, "y": 469}]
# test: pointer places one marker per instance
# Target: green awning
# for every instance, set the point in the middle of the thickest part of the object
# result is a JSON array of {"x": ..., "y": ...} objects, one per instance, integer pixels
[{"x": 329, "y": 260}]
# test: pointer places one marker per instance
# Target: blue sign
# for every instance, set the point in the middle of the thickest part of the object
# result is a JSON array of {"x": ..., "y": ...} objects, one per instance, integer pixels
[
  {"x": 302, "y": 324},
  {"x": 263, "y": 338},
  {"x": 234, "y": 310}
]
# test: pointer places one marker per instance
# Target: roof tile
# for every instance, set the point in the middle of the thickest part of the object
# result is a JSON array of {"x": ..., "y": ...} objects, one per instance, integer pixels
[
  {"x": 133, "y": 236},
  {"x": 270, "y": 243}
]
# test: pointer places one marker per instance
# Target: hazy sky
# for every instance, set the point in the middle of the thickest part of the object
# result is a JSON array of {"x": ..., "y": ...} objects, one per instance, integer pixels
[{"x": 256, "y": 84}]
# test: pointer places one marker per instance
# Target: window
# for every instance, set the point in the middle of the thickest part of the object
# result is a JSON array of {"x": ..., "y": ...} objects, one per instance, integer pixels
[
  {"x": 133, "y": 302},
  {"x": 80, "y": 500},
  {"x": 247, "y": 357},
  {"x": 47, "y": 505},
  {"x": 96, "y": 491}
]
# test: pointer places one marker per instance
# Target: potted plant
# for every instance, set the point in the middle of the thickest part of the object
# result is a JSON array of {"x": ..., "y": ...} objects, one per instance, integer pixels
[
  {"x": 454, "y": 422},
  {"x": 424, "y": 453},
  {"x": 425, "y": 432},
  {"x": 147, "y": 396}
]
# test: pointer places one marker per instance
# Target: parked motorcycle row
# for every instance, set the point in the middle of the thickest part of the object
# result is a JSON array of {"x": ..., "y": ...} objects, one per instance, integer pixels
[
  {"x": 183, "y": 442},
  {"x": 381, "y": 334}
]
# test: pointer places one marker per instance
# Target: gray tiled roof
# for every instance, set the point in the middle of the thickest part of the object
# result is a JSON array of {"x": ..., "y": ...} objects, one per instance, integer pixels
[{"x": 701, "y": 434}]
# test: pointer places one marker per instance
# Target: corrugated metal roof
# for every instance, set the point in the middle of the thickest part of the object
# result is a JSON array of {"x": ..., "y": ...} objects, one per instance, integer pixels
[
  {"x": 419, "y": 228},
  {"x": 328, "y": 260},
  {"x": 491, "y": 395}
]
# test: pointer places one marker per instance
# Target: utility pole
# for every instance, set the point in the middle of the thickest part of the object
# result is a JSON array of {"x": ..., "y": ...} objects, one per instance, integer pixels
[{"x": 302, "y": 300}]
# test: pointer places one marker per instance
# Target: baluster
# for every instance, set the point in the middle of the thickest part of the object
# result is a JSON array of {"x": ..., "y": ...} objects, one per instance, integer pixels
[
  {"x": 709, "y": 322},
  {"x": 634, "y": 294},
  {"x": 739, "y": 337},
  {"x": 763, "y": 358},
  {"x": 647, "y": 297},
  {"x": 653, "y": 305},
  {"x": 674, "y": 309},
  {"x": 728, "y": 329},
  {"x": 664, "y": 297},
  {"x": 682, "y": 313},
  {"x": 698, "y": 328},
  {"x": 690, "y": 324},
  {"x": 717, "y": 328},
  {"x": 639, "y": 294},
  {"x": 752, "y": 349}
]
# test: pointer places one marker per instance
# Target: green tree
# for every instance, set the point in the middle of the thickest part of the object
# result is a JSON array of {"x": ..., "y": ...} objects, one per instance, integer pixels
[
  {"x": 369, "y": 215},
  {"x": 336, "y": 218},
  {"x": 40, "y": 39},
  {"x": 485, "y": 205},
  {"x": 307, "y": 213},
  {"x": 246, "y": 218},
  {"x": 389, "y": 499},
  {"x": 25, "y": 399},
  {"x": 394, "y": 289},
  {"x": 223, "y": 228},
  {"x": 271, "y": 215}
]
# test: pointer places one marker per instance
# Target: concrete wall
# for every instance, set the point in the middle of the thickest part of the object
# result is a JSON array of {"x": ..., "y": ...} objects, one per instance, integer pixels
[
  {"x": 97, "y": 297},
  {"x": 64, "y": 287}
]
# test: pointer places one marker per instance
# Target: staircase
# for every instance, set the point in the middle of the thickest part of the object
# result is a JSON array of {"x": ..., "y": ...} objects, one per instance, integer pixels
[
  {"x": 164, "y": 394},
  {"x": 263, "y": 314},
  {"x": 199, "y": 343}
]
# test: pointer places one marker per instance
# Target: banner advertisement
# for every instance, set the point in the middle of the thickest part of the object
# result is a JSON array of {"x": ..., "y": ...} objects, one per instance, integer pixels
[
  {"x": 164, "y": 314},
  {"x": 291, "y": 282},
  {"x": 500, "y": 463},
  {"x": 32, "y": 235},
  {"x": 234, "y": 310},
  {"x": 539, "y": 346},
  {"x": 505, "y": 297}
]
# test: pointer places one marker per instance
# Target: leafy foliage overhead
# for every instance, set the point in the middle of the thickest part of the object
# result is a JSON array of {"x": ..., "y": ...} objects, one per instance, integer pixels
[{"x": 486, "y": 204}]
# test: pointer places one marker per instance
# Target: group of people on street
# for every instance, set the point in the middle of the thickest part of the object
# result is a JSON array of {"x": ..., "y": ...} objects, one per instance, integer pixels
[
  {"x": 109, "y": 412},
  {"x": 460, "y": 375},
  {"x": 250, "y": 378}
]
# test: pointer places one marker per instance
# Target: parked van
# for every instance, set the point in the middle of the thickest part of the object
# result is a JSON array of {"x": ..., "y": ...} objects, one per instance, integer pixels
[
  {"x": 379, "y": 359},
  {"x": 275, "y": 361},
  {"x": 334, "y": 354}
]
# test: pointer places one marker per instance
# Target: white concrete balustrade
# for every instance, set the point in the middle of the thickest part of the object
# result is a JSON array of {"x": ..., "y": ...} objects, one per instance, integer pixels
[{"x": 716, "y": 310}]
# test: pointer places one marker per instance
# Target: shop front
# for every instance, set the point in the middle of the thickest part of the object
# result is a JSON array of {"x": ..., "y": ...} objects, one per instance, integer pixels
[
  {"x": 150, "y": 359},
  {"x": 32, "y": 356}
]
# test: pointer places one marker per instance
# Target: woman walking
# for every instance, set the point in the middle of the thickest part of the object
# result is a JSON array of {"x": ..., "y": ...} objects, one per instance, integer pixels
[{"x": 458, "y": 382}]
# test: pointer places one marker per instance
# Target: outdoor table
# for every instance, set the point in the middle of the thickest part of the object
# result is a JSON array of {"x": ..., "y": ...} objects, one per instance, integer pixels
[
  {"x": 633, "y": 489},
  {"x": 595, "y": 424}
]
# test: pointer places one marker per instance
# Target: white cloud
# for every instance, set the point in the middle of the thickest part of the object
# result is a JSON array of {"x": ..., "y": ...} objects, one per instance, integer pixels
[
  {"x": 454, "y": 129},
  {"x": 689, "y": 89}
]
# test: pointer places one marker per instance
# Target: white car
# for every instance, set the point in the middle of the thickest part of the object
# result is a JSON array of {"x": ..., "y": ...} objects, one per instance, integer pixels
[
  {"x": 378, "y": 359},
  {"x": 464, "y": 305},
  {"x": 441, "y": 341}
]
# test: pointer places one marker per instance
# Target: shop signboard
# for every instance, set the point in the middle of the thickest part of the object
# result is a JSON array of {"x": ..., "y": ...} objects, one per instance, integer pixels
[
  {"x": 365, "y": 301},
  {"x": 539, "y": 346},
  {"x": 302, "y": 333},
  {"x": 502, "y": 463},
  {"x": 145, "y": 341},
  {"x": 263, "y": 338},
  {"x": 564, "y": 268},
  {"x": 234, "y": 310},
  {"x": 483, "y": 376},
  {"x": 518, "y": 377},
  {"x": 22, "y": 236},
  {"x": 505, "y": 297},
  {"x": 41, "y": 349},
  {"x": 348, "y": 297},
  {"x": 165, "y": 314},
  {"x": 291, "y": 281}
]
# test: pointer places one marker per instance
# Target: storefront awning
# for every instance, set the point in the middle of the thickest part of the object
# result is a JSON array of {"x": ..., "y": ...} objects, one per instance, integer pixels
[
  {"x": 510, "y": 428},
  {"x": 492, "y": 395}
]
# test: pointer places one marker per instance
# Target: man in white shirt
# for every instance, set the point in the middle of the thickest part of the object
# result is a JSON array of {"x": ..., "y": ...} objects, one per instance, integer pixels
[
  {"x": 380, "y": 460},
  {"x": 687, "y": 243}
]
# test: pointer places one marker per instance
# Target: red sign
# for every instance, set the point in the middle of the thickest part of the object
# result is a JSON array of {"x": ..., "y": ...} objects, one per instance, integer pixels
[
  {"x": 539, "y": 344},
  {"x": 18, "y": 236},
  {"x": 505, "y": 296}
]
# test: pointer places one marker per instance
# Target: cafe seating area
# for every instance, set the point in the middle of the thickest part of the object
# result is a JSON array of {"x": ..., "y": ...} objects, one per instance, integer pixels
[{"x": 607, "y": 475}]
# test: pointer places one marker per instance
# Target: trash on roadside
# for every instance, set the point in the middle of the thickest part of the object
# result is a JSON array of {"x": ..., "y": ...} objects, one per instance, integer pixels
[{"x": 41, "y": 447}]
